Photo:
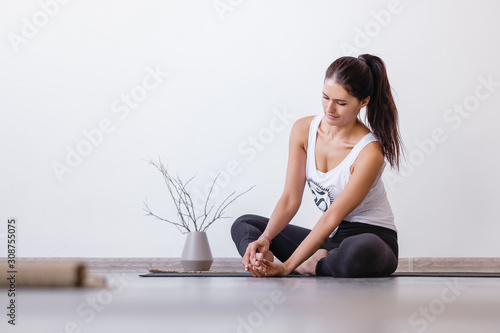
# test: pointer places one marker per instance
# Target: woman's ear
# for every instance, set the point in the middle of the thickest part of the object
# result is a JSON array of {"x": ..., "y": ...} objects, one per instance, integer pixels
[{"x": 365, "y": 101}]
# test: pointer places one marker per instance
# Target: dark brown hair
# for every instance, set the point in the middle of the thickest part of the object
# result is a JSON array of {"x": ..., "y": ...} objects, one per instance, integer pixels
[{"x": 366, "y": 76}]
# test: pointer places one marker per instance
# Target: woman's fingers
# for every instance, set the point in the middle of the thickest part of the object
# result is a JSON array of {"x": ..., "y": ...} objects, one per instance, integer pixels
[
  {"x": 258, "y": 271},
  {"x": 258, "y": 259},
  {"x": 254, "y": 271},
  {"x": 250, "y": 269},
  {"x": 249, "y": 254},
  {"x": 253, "y": 254},
  {"x": 263, "y": 270},
  {"x": 253, "y": 260},
  {"x": 246, "y": 259},
  {"x": 274, "y": 269}
]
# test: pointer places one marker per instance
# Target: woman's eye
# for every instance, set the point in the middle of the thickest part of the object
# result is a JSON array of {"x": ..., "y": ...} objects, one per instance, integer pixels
[{"x": 342, "y": 104}]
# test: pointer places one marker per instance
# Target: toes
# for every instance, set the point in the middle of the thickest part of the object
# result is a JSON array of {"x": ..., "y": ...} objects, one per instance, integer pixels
[{"x": 269, "y": 256}]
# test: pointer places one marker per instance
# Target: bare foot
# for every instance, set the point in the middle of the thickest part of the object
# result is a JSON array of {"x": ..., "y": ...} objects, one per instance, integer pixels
[
  {"x": 269, "y": 257},
  {"x": 308, "y": 267},
  {"x": 260, "y": 261}
]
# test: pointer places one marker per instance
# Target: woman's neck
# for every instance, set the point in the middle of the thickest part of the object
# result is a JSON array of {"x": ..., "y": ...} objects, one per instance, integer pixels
[{"x": 350, "y": 132}]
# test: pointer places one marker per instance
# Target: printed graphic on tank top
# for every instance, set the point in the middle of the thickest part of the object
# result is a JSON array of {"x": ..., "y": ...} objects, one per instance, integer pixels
[
  {"x": 323, "y": 198},
  {"x": 326, "y": 186}
]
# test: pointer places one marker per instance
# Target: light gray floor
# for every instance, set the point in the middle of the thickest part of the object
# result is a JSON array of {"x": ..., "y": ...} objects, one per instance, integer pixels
[{"x": 262, "y": 305}]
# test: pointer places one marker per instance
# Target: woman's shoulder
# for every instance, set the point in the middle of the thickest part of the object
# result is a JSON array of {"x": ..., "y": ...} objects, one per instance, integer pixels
[
  {"x": 302, "y": 125},
  {"x": 370, "y": 154},
  {"x": 300, "y": 130}
]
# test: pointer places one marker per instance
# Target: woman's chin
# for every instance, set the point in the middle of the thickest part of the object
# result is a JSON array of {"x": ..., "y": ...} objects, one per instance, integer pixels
[{"x": 332, "y": 120}]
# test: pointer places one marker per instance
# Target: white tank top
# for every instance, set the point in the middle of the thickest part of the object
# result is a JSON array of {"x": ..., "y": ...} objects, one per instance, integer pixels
[{"x": 375, "y": 208}]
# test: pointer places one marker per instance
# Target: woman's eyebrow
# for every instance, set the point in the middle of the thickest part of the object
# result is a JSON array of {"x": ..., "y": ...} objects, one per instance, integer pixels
[{"x": 335, "y": 99}]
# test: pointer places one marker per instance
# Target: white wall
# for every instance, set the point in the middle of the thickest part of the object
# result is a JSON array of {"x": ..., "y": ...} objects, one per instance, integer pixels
[{"x": 229, "y": 74}]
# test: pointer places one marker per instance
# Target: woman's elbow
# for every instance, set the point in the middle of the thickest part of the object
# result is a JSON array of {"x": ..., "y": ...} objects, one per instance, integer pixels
[{"x": 291, "y": 203}]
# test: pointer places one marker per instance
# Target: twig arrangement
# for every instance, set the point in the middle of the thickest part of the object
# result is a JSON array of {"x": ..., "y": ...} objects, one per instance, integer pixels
[{"x": 188, "y": 219}]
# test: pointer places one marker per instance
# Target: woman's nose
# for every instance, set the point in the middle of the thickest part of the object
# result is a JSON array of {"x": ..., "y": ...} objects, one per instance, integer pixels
[{"x": 331, "y": 106}]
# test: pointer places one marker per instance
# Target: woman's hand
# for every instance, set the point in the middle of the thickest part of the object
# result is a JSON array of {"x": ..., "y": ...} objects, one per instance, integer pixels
[
  {"x": 251, "y": 260},
  {"x": 268, "y": 269},
  {"x": 258, "y": 260}
]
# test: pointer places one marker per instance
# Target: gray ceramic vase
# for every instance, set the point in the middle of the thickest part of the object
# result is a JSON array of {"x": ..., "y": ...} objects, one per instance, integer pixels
[{"x": 196, "y": 255}]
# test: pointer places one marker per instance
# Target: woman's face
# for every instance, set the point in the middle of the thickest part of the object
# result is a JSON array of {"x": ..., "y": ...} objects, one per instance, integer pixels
[{"x": 339, "y": 106}]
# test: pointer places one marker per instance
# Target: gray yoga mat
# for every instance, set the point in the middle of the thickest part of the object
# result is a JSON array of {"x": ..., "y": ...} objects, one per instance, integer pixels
[{"x": 246, "y": 274}]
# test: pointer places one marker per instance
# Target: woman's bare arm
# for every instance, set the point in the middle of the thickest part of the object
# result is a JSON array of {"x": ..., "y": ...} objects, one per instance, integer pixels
[
  {"x": 290, "y": 200},
  {"x": 366, "y": 170}
]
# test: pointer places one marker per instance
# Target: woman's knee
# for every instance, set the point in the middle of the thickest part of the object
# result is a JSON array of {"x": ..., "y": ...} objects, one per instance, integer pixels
[
  {"x": 237, "y": 224},
  {"x": 240, "y": 225},
  {"x": 364, "y": 247},
  {"x": 251, "y": 218},
  {"x": 364, "y": 255}
]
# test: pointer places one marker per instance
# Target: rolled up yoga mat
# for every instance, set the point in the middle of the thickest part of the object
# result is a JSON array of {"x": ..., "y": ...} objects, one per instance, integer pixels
[{"x": 49, "y": 274}]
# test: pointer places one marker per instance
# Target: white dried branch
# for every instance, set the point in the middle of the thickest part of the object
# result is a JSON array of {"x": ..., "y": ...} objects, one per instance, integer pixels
[{"x": 184, "y": 203}]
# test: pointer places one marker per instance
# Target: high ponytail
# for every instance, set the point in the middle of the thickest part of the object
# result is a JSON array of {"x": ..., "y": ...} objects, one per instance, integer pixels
[{"x": 366, "y": 76}]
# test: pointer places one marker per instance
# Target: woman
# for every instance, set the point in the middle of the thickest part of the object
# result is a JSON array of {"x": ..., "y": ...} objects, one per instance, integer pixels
[{"x": 342, "y": 162}]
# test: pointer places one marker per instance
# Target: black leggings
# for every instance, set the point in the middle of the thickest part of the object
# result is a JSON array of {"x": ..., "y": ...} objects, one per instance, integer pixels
[{"x": 356, "y": 249}]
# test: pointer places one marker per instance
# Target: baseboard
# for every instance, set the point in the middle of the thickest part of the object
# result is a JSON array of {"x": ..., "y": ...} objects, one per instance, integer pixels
[{"x": 424, "y": 265}]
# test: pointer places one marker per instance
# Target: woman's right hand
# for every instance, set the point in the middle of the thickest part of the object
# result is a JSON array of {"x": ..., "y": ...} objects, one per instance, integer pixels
[{"x": 251, "y": 261}]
